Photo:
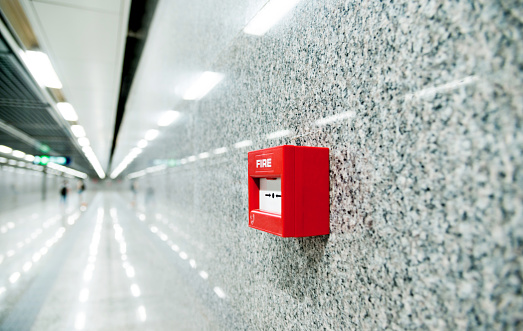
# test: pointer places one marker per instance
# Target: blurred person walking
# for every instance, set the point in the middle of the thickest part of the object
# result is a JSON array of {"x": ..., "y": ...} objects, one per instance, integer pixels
[
  {"x": 63, "y": 193},
  {"x": 81, "y": 189}
]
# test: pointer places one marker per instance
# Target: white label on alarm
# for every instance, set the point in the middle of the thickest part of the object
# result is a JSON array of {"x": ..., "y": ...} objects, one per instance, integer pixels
[{"x": 270, "y": 195}]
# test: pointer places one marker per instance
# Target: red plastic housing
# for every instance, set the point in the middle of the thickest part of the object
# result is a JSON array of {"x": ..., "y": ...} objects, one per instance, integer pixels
[{"x": 304, "y": 173}]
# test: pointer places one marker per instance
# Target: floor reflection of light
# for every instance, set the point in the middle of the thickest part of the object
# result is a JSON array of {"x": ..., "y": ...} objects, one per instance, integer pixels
[
  {"x": 141, "y": 313},
  {"x": 1, "y": 259},
  {"x": 88, "y": 273},
  {"x": 79, "y": 322},
  {"x": 175, "y": 248},
  {"x": 27, "y": 266},
  {"x": 10, "y": 253},
  {"x": 2, "y": 290},
  {"x": 129, "y": 271},
  {"x": 36, "y": 257},
  {"x": 14, "y": 277},
  {"x": 203, "y": 274},
  {"x": 192, "y": 263},
  {"x": 219, "y": 292},
  {"x": 135, "y": 290},
  {"x": 20, "y": 245},
  {"x": 183, "y": 255},
  {"x": 154, "y": 229},
  {"x": 84, "y": 295}
]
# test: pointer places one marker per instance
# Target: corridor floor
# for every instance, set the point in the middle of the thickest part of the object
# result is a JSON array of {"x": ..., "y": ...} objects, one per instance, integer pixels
[{"x": 109, "y": 266}]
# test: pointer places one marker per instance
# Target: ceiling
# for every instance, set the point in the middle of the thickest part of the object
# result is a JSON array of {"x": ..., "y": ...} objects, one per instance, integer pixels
[
  {"x": 85, "y": 41},
  {"x": 26, "y": 119},
  {"x": 184, "y": 39}
]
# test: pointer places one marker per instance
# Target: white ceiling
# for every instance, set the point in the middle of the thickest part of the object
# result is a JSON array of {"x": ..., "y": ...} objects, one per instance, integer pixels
[
  {"x": 85, "y": 40},
  {"x": 184, "y": 39}
]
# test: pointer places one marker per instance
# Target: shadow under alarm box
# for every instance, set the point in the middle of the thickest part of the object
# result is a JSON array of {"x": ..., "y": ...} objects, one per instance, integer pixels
[{"x": 289, "y": 190}]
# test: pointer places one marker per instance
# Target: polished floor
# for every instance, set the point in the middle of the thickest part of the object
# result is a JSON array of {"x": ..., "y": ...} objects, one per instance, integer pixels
[{"x": 107, "y": 264}]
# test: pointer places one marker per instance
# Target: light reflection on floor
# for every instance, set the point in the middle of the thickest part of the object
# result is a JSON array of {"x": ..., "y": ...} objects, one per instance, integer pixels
[{"x": 113, "y": 275}]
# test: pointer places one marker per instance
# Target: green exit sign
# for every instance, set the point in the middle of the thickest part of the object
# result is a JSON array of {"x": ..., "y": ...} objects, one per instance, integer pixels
[{"x": 45, "y": 159}]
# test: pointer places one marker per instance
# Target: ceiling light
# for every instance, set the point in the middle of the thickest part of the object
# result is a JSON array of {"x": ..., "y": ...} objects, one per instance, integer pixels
[
  {"x": 83, "y": 141},
  {"x": 142, "y": 143},
  {"x": 136, "y": 150},
  {"x": 203, "y": 85},
  {"x": 151, "y": 134},
  {"x": 66, "y": 170},
  {"x": 67, "y": 111},
  {"x": 168, "y": 117},
  {"x": 19, "y": 154},
  {"x": 29, "y": 158},
  {"x": 41, "y": 68},
  {"x": 5, "y": 149},
  {"x": 268, "y": 16},
  {"x": 78, "y": 130}
]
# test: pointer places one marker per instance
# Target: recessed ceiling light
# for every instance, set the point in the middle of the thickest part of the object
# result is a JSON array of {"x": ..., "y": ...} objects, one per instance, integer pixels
[
  {"x": 83, "y": 141},
  {"x": 41, "y": 68},
  {"x": 19, "y": 154},
  {"x": 67, "y": 111},
  {"x": 5, "y": 149},
  {"x": 78, "y": 130}
]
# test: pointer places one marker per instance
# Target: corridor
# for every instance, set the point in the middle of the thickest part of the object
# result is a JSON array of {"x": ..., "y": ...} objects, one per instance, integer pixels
[{"x": 112, "y": 266}]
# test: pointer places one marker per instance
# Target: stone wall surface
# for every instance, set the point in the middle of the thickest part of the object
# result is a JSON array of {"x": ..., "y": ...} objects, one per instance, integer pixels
[{"x": 421, "y": 105}]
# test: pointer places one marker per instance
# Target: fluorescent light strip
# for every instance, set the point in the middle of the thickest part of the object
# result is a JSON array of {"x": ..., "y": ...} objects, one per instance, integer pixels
[
  {"x": 5, "y": 149},
  {"x": 268, "y": 16},
  {"x": 67, "y": 111},
  {"x": 41, "y": 68},
  {"x": 67, "y": 170},
  {"x": 78, "y": 130},
  {"x": 89, "y": 153},
  {"x": 203, "y": 85},
  {"x": 18, "y": 154}
]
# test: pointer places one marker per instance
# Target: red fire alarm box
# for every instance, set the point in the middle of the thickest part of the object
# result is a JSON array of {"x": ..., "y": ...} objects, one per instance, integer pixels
[{"x": 289, "y": 190}]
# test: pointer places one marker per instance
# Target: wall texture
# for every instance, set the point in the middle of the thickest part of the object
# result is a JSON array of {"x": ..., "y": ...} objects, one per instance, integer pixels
[{"x": 420, "y": 103}]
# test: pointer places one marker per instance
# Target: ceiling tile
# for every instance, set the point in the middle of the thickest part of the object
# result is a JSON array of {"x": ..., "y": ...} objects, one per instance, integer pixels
[
  {"x": 112, "y": 6},
  {"x": 76, "y": 34}
]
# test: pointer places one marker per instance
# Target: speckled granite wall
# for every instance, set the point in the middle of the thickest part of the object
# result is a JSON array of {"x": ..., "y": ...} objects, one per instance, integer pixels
[{"x": 420, "y": 103}]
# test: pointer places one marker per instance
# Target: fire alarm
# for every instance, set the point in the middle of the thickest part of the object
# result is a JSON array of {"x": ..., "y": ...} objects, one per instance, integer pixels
[{"x": 289, "y": 190}]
